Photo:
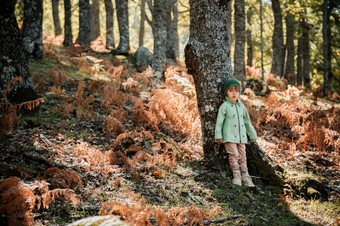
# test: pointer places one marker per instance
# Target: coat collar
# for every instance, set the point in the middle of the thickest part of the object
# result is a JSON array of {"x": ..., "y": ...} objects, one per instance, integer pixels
[{"x": 231, "y": 101}]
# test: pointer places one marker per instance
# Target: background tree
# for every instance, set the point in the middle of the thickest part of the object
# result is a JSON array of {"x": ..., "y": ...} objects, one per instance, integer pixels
[
  {"x": 305, "y": 53},
  {"x": 32, "y": 28},
  {"x": 240, "y": 39},
  {"x": 110, "y": 41},
  {"x": 94, "y": 20},
  {"x": 12, "y": 58},
  {"x": 174, "y": 23},
  {"x": 84, "y": 23},
  {"x": 68, "y": 37},
  {"x": 278, "y": 48},
  {"x": 327, "y": 51},
  {"x": 207, "y": 57},
  {"x": 123, "y": 24},
  {"x": 56, "y": 21},
  {"x": 170, "y": 40},
  {"x": 250, "y": 13},
  {"x": 159, "y": 28},
  {"x": 289, "y": 72},
  {"x": 141, "y": 24}
]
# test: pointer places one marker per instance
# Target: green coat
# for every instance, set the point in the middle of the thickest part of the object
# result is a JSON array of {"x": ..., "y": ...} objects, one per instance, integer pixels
[{"x": 233, "y": 123}]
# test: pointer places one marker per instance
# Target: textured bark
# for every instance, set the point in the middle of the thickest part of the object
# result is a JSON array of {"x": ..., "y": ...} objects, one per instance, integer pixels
[
  {"x": 278, "y": 47},
  {"x": 68, "y": 37},
  {"x": 249, "y": 37},
  {"x": 175, "y": 25},
  {"x": 305, "y": 54},
  {"x": 94, "y": 20},
  {"x": 289, "y": 73},
  {"x": 170, "y": 40},
  {"x": 240, "y": 39},
  {"x": 160, "y": 38},
  {"x": 110, "y": 41},
  {"x": 12, "y": 58},
  {"x": 56, "y": 21},
  {"x": 123, "y": 25},
  {"x": 142, "y": 23},
  {"x": 84, "y": 23},
  {"x": 327, "y": 51},
  {"x": 207, "y": 57},
  {"x": 32, "y": 28}
]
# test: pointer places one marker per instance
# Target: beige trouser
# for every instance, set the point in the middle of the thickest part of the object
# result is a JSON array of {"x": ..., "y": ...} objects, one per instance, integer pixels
[{"x": 237, "y": 156}]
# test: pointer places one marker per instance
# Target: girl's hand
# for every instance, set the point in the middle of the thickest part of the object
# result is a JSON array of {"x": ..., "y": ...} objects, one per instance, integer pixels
[{"x": 219, "y": 141}]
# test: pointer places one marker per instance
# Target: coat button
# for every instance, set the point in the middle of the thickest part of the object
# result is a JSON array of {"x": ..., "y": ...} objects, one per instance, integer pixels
[{"x": 235, "y": 125}]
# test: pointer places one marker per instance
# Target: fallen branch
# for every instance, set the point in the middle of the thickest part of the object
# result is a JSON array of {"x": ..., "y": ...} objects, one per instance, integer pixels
[{"x": 207, "y": 222}]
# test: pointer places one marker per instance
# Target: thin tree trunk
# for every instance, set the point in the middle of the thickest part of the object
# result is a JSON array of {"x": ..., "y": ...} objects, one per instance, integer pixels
[
  {"x": 110, "y": 41},
  {"x": 249, "y": 37},
  {"x": 175, "y": 25},
  {"x": 305, "y": 54},
  {"x": 123, "y": 24},
  {"x": 299, "y": 61},
  {"x": 207, "y": 57},
  {"x": 94, "y": 20},
  {"x": 327, "y": 51},
  {"x": 142, "y": 23},
  {"x": 160, "y": 38},
  {"x": 56, "y": 21},
  {"x": 240, "y": 38},
  {"x": 13, "y": 62},
  {"x": 84, "y": 23},
  {"x": 170, "y": 40},
  {"x": 68, "y": 37},
  {"x": 261, "y": 34},
  {"x": 32, "y": 28},
  {"x": 289, "y": 68},
  {"x": 278, "y": 47}
]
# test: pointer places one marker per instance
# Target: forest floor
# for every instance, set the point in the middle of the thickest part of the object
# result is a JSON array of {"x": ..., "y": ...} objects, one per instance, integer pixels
[{"x": 104, "y": 142}]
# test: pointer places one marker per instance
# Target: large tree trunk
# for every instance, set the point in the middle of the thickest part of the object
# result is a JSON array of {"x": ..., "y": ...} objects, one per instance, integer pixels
[
  {"x": 123, "y": 25},
  {"x": 278, "y": 48},
  {"x": 240, "y": 39},
  {"x": 68, "y": 37},
  {"x": 84, "y": 23},
  {"x": 94, "y": 20},
  {"x": 12, "y": 58},
  {"x": 160, "y": 38},
  {"x": 32, "y": 28},
  {"x": 207, "y": 57},
  {"x": 110, "y": 41},
  {"x": 249, "y": 37},
  {"x": 170, "y": 40},
  {"x": 142, "y": 23},
  {"x": 56, "y": 21},
  {"x": 327, "y": 51},
  {"x": 305, "y": 54},
  {"x": 289, "y": 73}
]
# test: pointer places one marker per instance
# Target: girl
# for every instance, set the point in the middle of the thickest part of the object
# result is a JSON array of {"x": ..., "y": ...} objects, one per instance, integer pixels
[{"x": 232, "y": 127}]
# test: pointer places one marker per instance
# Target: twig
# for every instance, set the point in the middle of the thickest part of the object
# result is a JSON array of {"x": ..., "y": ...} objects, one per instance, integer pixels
[{"x": 207, "y": 222}]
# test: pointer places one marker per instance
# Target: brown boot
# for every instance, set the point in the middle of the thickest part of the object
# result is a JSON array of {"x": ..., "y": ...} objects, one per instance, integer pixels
[
  {"x": 237, "y": 177},
  {"x": 246, "y": 179}
]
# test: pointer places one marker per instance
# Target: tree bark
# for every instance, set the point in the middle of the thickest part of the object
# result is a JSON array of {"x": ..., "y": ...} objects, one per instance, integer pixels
[
  {"x": 170, "y": 40},
  {"x": 327, "y": 51},
  {"x": 299, "y": 74},
  {"x": 249, "y": 37},
  {"x": 13, "y": 62},
  {"x": 32, "y": 28},
  {"x": 94, "y": 20},
  {"x": 110, "y": 41},
  {"x": 278, "y": 47},
  {"x": 160, "y": 38},
  {"x": 305, "y": 54},
  {"x": 289, "y": 73},
  {"x": 123, "y": 25},
  {"x": 56, "y": 21},
  {"x": 68, "y": 37},
  {"x": 84, "y": 23},
  {"x": 142, "y": 23},
  {"x": 175, "y": 25},
  {"x": 240, "y": 38},
  {"x": 207, "y": 57}
]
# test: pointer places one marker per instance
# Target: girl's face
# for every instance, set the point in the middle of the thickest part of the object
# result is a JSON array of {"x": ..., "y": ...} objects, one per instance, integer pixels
[{"x": 233, "y": 93}]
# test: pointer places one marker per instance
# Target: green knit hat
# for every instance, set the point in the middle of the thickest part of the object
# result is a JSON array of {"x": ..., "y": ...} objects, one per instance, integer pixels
[{"x": 230, "y": 82}]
